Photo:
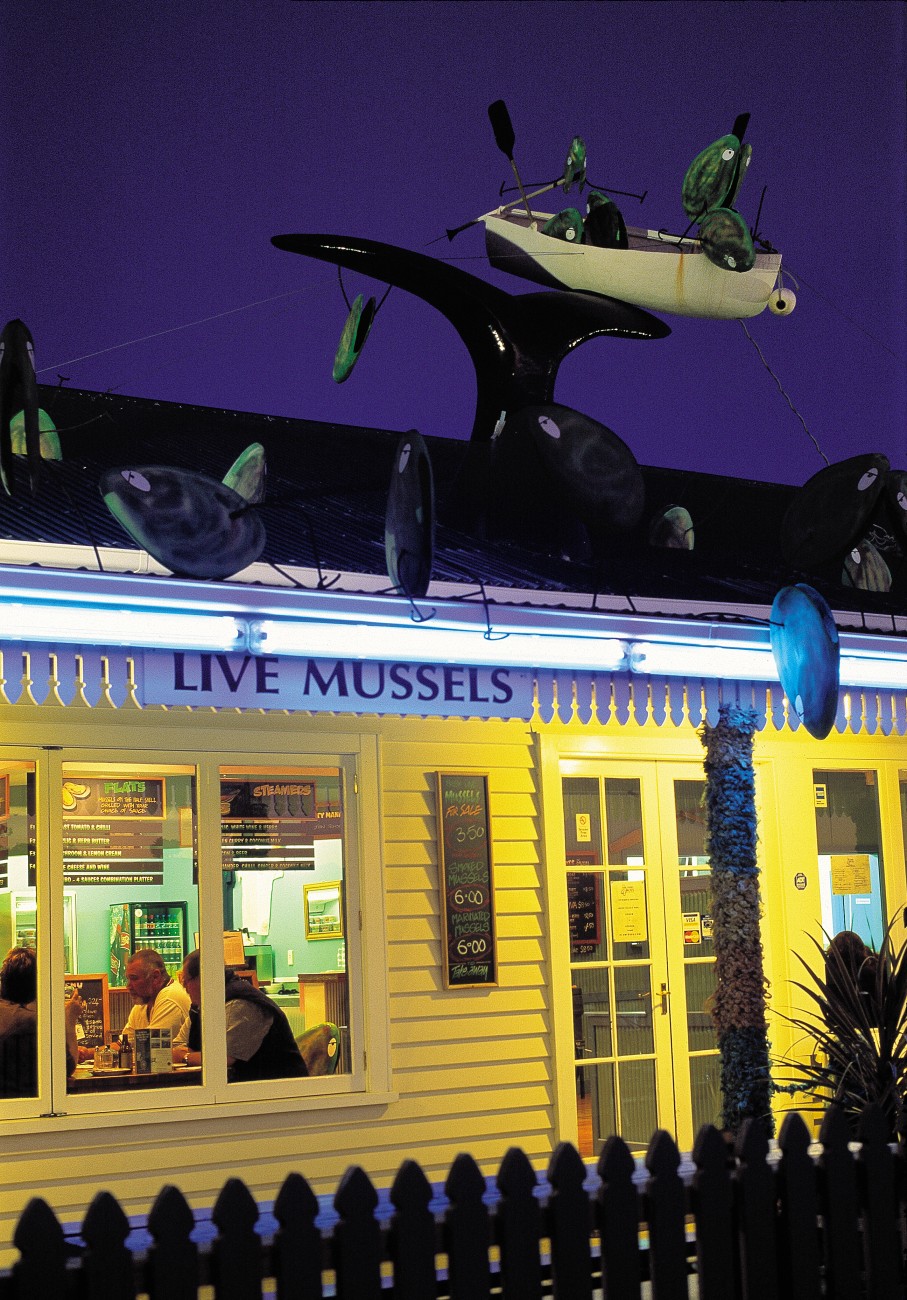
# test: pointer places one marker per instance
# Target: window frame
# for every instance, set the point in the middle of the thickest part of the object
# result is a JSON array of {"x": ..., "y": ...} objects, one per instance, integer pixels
[{"x": 368, "y": 1082}]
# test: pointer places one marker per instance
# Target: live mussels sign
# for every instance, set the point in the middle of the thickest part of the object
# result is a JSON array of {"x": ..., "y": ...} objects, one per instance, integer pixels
[
  {"x": 468, "y": 937},
  {"x": 335, "y": 685}
]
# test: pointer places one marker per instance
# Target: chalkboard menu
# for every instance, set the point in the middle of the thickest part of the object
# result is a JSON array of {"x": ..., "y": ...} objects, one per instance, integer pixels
[
  {"x": 467, "y": 886},
  {"x": 92, "y": 989},
  {"x": 113, "y": 831}
]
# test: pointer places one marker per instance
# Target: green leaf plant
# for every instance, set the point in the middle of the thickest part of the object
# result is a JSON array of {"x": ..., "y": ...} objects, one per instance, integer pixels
[{"x": 856, "y": 1020}]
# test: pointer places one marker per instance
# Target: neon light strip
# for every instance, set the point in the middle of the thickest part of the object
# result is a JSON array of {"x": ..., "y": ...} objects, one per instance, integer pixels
[
  {"x": 83, "y": 625},
  {"x": 427, "y": 643},
  {"x": 106, "y": 609}
]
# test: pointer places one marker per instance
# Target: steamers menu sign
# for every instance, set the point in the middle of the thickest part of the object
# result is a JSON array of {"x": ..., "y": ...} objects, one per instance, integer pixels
[
  {"x": 272, "y": 823},
  {"x": 467, "y": 885},
  {"x": 113, "y": 831}
]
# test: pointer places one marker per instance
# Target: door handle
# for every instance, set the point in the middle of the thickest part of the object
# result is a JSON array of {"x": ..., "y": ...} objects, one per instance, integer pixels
[{"x": 664, "y": 993}]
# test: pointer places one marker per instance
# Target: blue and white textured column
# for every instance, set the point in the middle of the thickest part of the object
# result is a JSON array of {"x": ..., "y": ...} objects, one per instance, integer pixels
[{"x": 739, "y": 1009}]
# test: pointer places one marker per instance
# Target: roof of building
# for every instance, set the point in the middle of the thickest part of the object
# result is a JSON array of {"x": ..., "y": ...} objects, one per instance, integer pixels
[{"x": 324, "y": 512}]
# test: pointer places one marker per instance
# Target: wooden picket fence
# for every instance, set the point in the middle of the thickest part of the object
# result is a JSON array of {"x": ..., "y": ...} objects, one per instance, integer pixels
[{"x": 746, "y": 1223}]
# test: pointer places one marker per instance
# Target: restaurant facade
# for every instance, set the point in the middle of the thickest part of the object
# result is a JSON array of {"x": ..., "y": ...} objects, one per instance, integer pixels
[{"x": 475, "y": 842}]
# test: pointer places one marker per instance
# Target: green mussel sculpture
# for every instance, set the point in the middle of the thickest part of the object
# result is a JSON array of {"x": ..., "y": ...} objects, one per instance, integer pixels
[
  {"x": 714, "y": 176},
  {"x": 565, "y": 225},
  {"x": 575, "y": 166},
  {"x": 726, "y": 240},
  {"x": 865, "y": 568}
]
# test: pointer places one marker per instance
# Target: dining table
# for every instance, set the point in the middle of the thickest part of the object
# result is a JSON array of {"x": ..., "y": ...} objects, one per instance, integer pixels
[{"x": 85, "y": 1078}]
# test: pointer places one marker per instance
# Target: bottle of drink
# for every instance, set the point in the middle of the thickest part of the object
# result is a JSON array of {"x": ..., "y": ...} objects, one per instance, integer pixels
[
  {"x": 125, "y": 1052},
  {"x": 114, "y": 1053}
]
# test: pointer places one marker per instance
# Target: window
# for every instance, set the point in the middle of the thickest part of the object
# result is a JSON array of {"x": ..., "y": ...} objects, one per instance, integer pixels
[
  {"x": 851, "y": 869},
  {"x": 130, "y": 876},
  {"x": 105, "y": 858},
  {"x": 18, "y": 932},
  {"x": 282, "y": 838}
]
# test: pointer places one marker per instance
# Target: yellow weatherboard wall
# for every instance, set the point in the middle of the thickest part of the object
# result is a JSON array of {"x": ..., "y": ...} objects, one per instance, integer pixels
[{"x": 446, "y": 1070}]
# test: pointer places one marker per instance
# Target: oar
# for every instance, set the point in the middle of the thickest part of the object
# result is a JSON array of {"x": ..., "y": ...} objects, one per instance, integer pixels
[
  {"x": 552, "y": 185},
  {"x": 453, "y": 231},
  {"x": 505, "y": 139}
]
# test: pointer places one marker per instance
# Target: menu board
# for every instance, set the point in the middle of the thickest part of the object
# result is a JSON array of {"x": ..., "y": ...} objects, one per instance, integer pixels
[
  {"x": 92, "y": 989},
  {"x": 467, "y": 888},
  {"x": 272, "y": 823},
  {"x": 584, "y": 911},
  {"x": 4, "y": 832},
  {"x": 113, "y": 831}
]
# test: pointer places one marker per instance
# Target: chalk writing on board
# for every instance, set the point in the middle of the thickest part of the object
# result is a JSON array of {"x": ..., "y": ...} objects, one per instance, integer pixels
[
  {"x": 112, "y": 831},
  {"x": 584, "y": 911},
  {"x": 92, "y": 989},
  {"x": 467, "y": 888}
]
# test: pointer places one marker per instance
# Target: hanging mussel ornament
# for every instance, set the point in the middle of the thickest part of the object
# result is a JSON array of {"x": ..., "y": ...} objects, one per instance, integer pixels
[
  {"x": 409, "y": 519},
  {"x": 807, "y": 654},
  {"x": 352, "y": 340}
]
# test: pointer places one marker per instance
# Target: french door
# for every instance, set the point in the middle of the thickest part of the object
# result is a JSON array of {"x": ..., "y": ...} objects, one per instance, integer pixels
[{"x": 641, "y": 950}]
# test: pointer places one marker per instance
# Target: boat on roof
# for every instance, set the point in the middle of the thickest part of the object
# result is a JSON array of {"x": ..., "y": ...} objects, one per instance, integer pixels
[{"x": 656, "y": 270}]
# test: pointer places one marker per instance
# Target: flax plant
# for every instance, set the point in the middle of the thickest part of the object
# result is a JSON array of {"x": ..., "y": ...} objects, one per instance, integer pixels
[{"x": 856, "y": 1022}]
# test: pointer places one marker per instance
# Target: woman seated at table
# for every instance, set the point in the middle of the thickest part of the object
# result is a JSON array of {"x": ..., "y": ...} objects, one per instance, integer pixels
[
  {"x": 260, "y": 1042},
  {"x": 19, "y": 1025}
]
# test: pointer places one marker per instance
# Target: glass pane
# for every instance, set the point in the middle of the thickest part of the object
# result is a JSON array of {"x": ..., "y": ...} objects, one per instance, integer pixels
[
  {"x": 623, "y": 815},
  {"x": 584, "y": 1111},
  {"x": 700, "y": 990},
  {"x": 636, "y": 1094},
  {"x": 582, "y": 821},
  {"x": 690, "y": 817},
  {"x": 18, "y": 933},
  {"x": 586, "y": 910},
  {"x": 705, "y": 1088},
  {"x": 592, "y": 1012},
  {"x": 851, "y": 879},
  {"x": 285, "y": 915},
  {"x": 600, "y": 1081},
  {"x": 696, "y": 910},
  {"x": 633, "y": 1002},
  {"x": 627, "y": 908},
  {"x": 129, "y": 868}
]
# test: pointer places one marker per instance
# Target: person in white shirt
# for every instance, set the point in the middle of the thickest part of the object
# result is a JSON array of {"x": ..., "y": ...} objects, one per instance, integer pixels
[{"x": 160, "y": 1002}]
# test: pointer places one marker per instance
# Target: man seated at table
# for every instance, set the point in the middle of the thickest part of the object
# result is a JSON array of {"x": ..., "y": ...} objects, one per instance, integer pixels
[
  {"x": 159, "y": 1001},
  {"x": 260, "y": 1042}
]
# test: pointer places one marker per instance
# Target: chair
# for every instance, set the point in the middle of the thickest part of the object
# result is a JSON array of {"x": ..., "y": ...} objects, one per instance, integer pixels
[{"x": 320, "y": 1048}]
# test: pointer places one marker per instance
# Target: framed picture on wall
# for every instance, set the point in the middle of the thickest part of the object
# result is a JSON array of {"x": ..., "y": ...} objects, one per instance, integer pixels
[{"x": 323, "y": 910}]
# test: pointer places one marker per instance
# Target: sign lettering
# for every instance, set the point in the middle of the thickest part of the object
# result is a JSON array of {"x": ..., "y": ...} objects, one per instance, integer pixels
[{"x": 467, "y": 889}]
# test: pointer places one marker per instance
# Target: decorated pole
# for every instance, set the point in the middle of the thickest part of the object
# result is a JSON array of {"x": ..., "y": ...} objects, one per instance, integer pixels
[{"x": 739, "y": 1007}]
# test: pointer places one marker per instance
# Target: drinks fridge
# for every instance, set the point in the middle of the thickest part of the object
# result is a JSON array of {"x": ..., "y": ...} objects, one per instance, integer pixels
[{"x": 161, "y": 926}]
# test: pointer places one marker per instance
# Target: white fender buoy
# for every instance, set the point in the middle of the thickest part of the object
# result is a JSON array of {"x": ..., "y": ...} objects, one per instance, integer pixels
[{"x": 782, "y": 302}]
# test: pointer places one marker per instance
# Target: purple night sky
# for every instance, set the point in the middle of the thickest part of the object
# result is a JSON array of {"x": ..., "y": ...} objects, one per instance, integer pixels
[{"x": 151, "y": 150}]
